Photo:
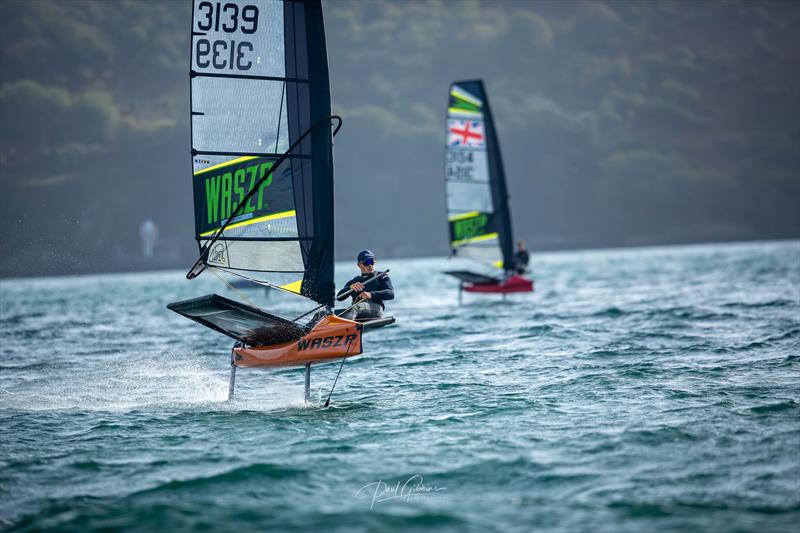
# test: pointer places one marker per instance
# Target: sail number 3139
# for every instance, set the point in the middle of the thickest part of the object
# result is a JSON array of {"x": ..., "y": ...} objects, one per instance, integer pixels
[{"x": 225, "y": 54}]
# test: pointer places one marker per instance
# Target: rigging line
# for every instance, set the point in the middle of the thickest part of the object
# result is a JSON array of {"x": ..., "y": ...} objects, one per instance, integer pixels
[
  {"x": 350, "y": 291},
  {"x": 335, "y": 381},
  {"x": 320, "y": 306},
  {"x": 352, "y": 306},
  {"x": 234, "y": 289},
  {"x": 200, "y": 265},
  {"x": 377, "y": 275},
  {"x": 280, "y": 114},
  {"x": 317, "y": 308},
  {"x": 258, "y": 281},
  {"x": 484, "y": 267},
  {"x": 355, "y": 303}
]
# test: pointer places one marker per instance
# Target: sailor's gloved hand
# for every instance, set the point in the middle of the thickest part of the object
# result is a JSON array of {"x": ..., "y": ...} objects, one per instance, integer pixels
[
  {"x": 357, "y": 286},
  {"x": 365, "y": 295}
]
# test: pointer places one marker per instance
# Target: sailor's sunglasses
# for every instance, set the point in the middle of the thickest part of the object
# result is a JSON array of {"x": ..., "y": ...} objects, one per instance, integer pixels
[{"x": 368, "y": 262}]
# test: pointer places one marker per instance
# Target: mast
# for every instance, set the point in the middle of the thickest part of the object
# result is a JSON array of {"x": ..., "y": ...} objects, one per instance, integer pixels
[
  {"x": 497, "y": 180},
  {"x": 320, "y": 286}
]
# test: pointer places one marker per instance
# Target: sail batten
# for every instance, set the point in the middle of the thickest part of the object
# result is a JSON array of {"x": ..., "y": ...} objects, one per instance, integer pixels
[
  {"x": 273, "y": 155},
  {"x": 259, "y": 84},
  {"x": 195, "y": 74},
  {"x": 477, "y": 201}
]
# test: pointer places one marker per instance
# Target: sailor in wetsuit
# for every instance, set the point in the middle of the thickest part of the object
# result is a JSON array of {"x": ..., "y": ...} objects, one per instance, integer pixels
[
  {"x": 368, "y": 300},
  {"x": 521, "y": 258}
]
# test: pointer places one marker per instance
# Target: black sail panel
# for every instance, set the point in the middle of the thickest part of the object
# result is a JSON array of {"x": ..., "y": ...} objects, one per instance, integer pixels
[
  {"x": 315, "y": 174},
  {"x": 259, "y": 81},
  {"x": 479, "y": 220},
  {"x": 498, "y": 183}
]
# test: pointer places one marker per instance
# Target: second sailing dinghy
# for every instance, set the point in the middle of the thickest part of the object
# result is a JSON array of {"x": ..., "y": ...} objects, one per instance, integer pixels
[
  {"x": 477, "y": 200},
  {"x": 262, "y": 161}
]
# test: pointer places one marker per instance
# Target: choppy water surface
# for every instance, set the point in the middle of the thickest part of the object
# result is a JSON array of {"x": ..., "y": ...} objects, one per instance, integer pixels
[{"x": 636, "y": 389}]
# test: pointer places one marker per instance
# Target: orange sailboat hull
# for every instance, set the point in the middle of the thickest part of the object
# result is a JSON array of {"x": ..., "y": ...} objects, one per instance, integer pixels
[{"x": 332, "y": 338}]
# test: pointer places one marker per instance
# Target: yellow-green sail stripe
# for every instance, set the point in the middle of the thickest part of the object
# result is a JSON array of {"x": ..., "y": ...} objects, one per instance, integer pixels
[
  {"x": 227, "y": 163},
  {"x": 459, "y": 111},
  {"x": 461, "y": 95},
  {"x": 285, "y": 214},
  {"x": 479, "y": 238},
  {"x": 463, "y": 216}
]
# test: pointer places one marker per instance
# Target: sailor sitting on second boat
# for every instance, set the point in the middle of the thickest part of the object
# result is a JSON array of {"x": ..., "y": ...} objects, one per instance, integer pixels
[
  {"x": 368, "y": 301},
  {"x": 521, "y": 258}
]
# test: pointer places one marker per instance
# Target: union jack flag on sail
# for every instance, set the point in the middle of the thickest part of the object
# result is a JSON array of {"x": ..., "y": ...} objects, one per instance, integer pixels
[{"x": 465, "y": 133}]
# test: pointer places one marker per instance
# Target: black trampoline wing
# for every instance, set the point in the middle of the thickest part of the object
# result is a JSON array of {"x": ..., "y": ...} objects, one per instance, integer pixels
[
  {"x": 473, "y": 277},
  {"x": 250, "y": 325}
]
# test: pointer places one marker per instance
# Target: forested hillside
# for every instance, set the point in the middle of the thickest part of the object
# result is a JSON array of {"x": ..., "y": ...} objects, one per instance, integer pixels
[{"x": 621, "y": 123}]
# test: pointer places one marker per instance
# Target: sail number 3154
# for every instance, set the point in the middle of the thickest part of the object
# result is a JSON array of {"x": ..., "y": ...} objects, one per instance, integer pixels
[{"x": 225, "y": 54}]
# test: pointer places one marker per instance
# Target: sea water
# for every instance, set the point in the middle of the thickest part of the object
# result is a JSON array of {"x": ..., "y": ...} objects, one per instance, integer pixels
[{"x": 636, "y": 390}]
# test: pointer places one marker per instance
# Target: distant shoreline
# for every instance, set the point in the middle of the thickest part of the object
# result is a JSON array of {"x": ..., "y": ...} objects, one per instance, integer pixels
[{"x": 535, "y": 251}]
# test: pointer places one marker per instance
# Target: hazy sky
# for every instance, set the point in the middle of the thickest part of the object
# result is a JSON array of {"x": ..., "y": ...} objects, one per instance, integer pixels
[{"x": 621, "y": 123}]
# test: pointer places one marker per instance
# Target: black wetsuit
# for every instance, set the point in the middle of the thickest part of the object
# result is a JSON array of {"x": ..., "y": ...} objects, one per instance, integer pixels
[
  {"x": 380, "y": 289},
  {"x": 521, "y": 258}
]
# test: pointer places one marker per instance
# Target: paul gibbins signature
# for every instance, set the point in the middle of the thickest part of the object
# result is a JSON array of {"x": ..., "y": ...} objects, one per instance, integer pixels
[{"x": 413, "y": 487}]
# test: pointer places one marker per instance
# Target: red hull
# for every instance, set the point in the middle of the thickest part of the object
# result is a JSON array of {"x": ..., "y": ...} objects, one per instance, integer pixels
[{"x": 512, "y": 284}]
